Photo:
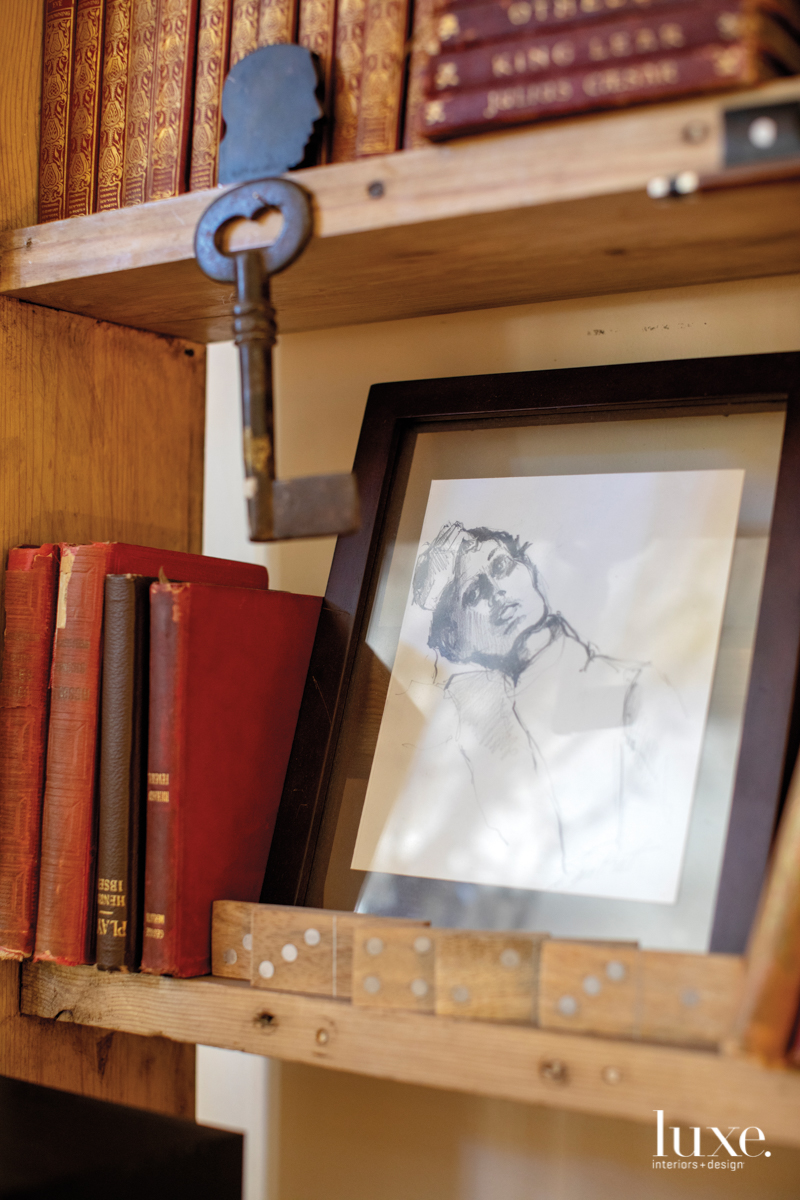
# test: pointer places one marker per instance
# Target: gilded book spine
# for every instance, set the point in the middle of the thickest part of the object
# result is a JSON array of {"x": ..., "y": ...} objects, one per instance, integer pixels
[
  {"x": 244, "y": 29},
  {"x": 141, "y": 78},
  {"x": 59, "y": 31},
  {"x": 316, "y": 30},
  {"x": 84, "y": 108},
  {"x": 172, "y": 105},
  {"x": 496, "y": 20},
  {"x": 277, "y": 22},
  {"x": 348, "y": 67},
  {"x": 424, "y": 45},
  {"x": 213, "y": 46},
  {"x": 114, "y": 104},
  {"x": 382, "y": 78}
]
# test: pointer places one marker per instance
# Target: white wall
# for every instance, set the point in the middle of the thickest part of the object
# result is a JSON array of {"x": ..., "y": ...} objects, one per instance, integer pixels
[{"x": 337, "y": 1136}]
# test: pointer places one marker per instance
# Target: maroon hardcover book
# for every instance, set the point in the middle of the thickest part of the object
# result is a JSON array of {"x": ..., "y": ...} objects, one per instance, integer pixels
[
  {"x": 65, "y": 922},
  {"x": 59, "y": 34},
  {"x": 30, "y": 607},
  {"x": 227, "y": 670}
]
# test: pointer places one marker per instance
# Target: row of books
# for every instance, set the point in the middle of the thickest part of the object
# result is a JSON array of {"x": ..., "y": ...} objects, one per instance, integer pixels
[
  {"x": 132, "y": 89},
  {"x": 510, "y": 61},
  {"x": 145, "y": 731}
]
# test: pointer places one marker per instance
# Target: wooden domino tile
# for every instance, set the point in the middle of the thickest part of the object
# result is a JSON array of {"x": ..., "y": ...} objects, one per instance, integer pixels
[
  {"x": 302, "y": 950},
  {"x": 487, "y": 976},
  {"x": 393, "y": 966},
  {"x": 589, "y": 987},
  {"x": 691, "y": 999},
  {"x": 232, "y": 939}
]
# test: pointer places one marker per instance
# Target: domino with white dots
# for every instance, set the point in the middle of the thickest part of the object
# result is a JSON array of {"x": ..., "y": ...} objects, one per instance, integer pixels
[
  {"x": 393, "y": 966},
  {"x": 487, "y": 976}
]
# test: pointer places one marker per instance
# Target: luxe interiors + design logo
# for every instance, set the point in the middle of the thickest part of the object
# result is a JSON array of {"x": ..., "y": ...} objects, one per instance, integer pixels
[{"x": 728, "y": 1154}]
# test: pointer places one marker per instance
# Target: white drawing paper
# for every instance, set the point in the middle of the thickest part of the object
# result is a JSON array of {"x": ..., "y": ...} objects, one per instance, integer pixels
[{"x": 548, "y": 700}]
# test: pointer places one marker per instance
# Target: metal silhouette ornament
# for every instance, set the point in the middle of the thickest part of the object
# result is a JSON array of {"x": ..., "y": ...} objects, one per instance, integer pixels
[{"x": 270, "y": 106}]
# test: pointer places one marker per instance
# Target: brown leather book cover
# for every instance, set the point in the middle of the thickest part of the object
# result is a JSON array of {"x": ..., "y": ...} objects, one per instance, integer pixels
[
  {"x": 123, "y": 771},
  {"x": 277, "y": 22},
  {"x": 424, "y": 45},
  {"x": 141, "y": 82},
  {"x": 30, "y": 607},
  {"x": 706, "y": 68},
  {"x": 608, "y": 42},
  {"x": 316, "y": 31},
  {"x": 382, "y": 78},
  {"x": 227, "y": 671},
  {"x": 114, "y": 105},
  {"x": 351, "y": 17},
  {"x": 213, "y": 48},
  {"x": 172, "y": 99},
  {"x": 65, "y": 926},
  {"x": 84, "y": 109},
  {"x": 59, "y": 32},
  {"x": 244, "y": 29}
]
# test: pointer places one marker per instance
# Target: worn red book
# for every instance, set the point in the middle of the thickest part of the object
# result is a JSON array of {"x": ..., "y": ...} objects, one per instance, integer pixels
[
  {"x": 213, "y": 48},
  {"x": 30, "y": 606},
  {"x": 65, "y": 924},
  {"x": 172, "y": 99},
  {"x": 227, "y": 669},
  {"x": 612, "y": 41},
  {"x": 59, "y": 33},
  {"x": 705, "y": 68},
  {"x": 114, "y": 104},
  {"x": 424, "y": 45},
  {"x": 84, "y": 109}
]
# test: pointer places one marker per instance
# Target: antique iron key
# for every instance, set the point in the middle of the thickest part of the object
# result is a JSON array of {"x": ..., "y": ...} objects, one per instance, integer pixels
[{"x": 277, "y": 509}]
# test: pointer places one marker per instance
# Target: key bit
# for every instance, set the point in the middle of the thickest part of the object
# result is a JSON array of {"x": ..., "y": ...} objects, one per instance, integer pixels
[{"x": 278, "y": 509}]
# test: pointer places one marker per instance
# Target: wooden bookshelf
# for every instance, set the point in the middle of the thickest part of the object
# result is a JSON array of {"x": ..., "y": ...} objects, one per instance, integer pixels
[
  {"x": 548, "y": 212},
  {"x": 613, "y": 1078}
]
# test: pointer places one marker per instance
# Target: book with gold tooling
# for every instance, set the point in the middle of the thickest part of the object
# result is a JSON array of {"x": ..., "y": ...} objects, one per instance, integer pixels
[
  {"x": 59, "y": 30},
  {"x": 213, "y": 48},
  {"x": 424, "y": 45},
  {"x": 382, "y": 77},
  {"x": 84, "y": 108},
  {"x": 277, "y": 22},
  {"x": 114, "y": 104},
  {"x": 316, "y": 30},
  {"x": 141, "y": 78},
  {"x": 348, "y": 66},
  {"x": 172, "y": 94},
  {"x": 244, "y": 29}
]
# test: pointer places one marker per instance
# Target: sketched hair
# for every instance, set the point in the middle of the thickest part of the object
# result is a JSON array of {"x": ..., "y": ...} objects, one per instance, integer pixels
[{"x": 437, "y": 584}]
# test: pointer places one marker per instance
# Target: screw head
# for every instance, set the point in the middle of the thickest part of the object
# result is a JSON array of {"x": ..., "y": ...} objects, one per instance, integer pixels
[
  {"x": 554, "y": 1071},
  {"x": 376, "y": 189},
  {"x": 611, "y": 1075},
  {"x": 695, "y": 132},
  {"x": 322, "y": 1037}
]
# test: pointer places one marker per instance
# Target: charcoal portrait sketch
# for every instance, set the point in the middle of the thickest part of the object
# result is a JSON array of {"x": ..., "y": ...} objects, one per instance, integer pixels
[{"x": 547, "y": 702}]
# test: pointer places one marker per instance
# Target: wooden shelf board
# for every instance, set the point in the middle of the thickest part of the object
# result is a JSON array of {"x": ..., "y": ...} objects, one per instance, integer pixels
[
  {"x": 694, "y": 1087},
  {"x": 548, "y": 212}
]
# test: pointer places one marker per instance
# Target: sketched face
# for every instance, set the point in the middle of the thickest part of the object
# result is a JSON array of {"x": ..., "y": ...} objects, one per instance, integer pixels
[{"x": 499, "y": 600}]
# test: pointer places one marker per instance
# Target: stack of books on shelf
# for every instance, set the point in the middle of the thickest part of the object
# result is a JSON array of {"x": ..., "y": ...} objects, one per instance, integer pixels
[
  {"x": 145, "y": 731},
  {"x": 505, "y": 62}
]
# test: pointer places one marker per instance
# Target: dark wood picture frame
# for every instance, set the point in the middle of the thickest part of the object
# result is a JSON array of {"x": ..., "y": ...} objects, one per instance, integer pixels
[{"x": 770, "y": 732}]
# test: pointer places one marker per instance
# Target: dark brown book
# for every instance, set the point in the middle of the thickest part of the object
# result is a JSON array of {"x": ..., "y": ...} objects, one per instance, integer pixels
[
  {"x": 84, "y": 109},
  {"x": 608, "y": 42},
  {"x": 114, "y": 104},
  {"x": 172, "y": 99},
  {"x": 706, "y": 68},
  {"x": 381, "y": 100},
  {"x": 141, "y": 82},
  {"x": 424, "y": 45},
  {"x": 351, "y": 18},
  {"x": 277, "y": 22},
  {"x": 59, "y": 32},
  {"x": 213, "y": 49},
  {"x": 123, "y": 771},
  {"x": 244, "y": 29}
]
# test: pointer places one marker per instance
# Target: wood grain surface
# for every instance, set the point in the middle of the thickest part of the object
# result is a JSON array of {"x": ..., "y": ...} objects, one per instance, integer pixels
[
  {"x": 548, "y": 212},
  {"x": 21, "y": 32},
  {"x": 624, "y": 1079}
]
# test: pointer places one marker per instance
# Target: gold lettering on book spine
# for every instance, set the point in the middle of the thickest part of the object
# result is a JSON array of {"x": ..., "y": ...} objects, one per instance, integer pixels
[
  {"x": 114, "y": 104},
  {"x": 350, "y": 29},
  {"x": 141, "y": 67},
  {"x": 244, "y": 29},
  {"x": 276, "y": 22},
  {"x": 213, "y": 35},
  {"x": 381, "y": 84},
  {"x": 175, "y": 32},
  {"x": 56, "y": 79},
  {"x": 424, "y": 45},
  {"x": 84, "y": 108}
]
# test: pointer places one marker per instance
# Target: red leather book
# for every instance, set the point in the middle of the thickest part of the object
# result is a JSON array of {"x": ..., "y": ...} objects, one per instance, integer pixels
[
  {"x": 424, "y": 45},
  {"x": 706, "y": 68},
  {"x": 227, "y": 669},
  {"x": 139, "y": 115},
  {"x": 244, "y": 29},
  {"x": 609, "y": 42},
  {"x": 172, "y": 99},
  {"x": 59, "y": 32},
  {"x": 213, "y": 47},
  {"x": 65, "y": 924},
  {"x": 277, "y": 22},
  {"x": 315, "y": 30},
  {"x": 30, "y": 606},
  {"x": 84, "y": 109},
  {"x": 351, "y": 20},
  {"x": 114, "y": 104}
]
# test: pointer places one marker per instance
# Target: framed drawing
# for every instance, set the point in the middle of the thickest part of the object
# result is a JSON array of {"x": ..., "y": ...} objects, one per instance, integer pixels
[{"x": 553, "y": 684}]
